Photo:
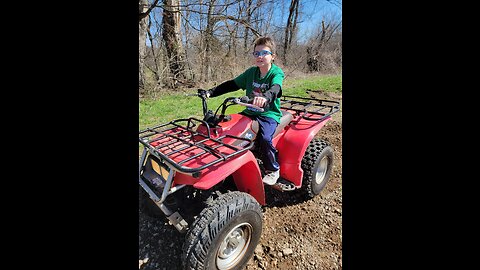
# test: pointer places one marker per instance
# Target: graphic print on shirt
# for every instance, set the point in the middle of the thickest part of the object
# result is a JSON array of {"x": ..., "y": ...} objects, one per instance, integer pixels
[{"x": 257, "y": 91}]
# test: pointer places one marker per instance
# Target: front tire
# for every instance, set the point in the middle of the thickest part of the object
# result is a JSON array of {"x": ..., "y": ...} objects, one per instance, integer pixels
[
  {"x": 317, "y": 167},
  {"x": 225, "y": 233}
]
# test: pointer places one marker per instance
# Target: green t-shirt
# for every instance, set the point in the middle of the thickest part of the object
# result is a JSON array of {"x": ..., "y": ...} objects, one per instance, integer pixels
[{"x": 255, "y": 86}]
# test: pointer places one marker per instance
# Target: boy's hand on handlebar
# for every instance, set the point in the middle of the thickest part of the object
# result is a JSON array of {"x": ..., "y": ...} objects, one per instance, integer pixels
[
  {"x": 205, "y": 93},
  {"x": 247, "y": 102},
  {"x": 259, "y": 101}
]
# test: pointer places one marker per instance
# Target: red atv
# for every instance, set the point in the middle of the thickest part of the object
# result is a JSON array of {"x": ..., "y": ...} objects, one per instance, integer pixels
[{"x": 205, "y": 175}]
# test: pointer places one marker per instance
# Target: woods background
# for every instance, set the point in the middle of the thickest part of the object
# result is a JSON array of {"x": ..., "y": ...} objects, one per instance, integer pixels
[{"x": 201, "y": 43}]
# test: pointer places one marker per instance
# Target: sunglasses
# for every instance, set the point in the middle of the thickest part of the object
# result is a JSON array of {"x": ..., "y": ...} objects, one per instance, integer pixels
[{"x": 261, "y": 53}]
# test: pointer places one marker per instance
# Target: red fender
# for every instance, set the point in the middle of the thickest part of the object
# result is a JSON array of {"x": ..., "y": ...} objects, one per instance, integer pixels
[
  {"x": 292, "y": 146},
  {"x": 244, "y": 169}
]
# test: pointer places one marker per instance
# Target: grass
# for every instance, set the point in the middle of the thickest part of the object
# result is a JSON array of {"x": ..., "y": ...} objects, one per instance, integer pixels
[
  {"x": 297, "y": 87},
  {"x": 167, "y": 107},
  {"x": 173, "y": 106}
]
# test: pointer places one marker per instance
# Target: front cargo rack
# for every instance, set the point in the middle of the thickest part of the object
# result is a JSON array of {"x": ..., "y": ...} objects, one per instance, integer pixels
[
  {"x": 310, "y": 108},
  {"x": 189, "y": 151}
]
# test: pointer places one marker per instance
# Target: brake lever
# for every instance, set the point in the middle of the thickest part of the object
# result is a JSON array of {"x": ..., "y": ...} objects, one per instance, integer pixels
[{"x": 238, "y": 101}]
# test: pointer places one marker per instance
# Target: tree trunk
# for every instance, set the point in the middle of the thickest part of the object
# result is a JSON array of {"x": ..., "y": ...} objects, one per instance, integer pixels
[
  {"x": 142, "y": 29},
  {"x": 290, "y": 28},
  {"x": 208, "y": 41},
  {"x": 314, "y": 52},
  {"x": 248, "y": 20},
  {"x": 172, "y": 37}
]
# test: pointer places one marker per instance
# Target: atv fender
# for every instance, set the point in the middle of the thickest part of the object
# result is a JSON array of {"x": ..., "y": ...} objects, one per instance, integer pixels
[
  {"x": 292, "y": 146},
  {"x": 244, "y": 169}
]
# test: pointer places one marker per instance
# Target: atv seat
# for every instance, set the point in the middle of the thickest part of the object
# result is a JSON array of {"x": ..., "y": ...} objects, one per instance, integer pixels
[{"x": 284, "y": 120}]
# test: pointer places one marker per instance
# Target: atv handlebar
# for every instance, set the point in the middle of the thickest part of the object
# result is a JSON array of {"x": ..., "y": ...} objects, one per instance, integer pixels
[
  {"x": 203, "y": 95},
  {"x": 245, "y": 101},
  {"x": 214, "y": 118},
  {"x": 242, "y": 101}
]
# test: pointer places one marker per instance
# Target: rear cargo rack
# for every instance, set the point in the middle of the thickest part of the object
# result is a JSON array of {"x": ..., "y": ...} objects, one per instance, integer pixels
[
  {"x": 310, "y": 108},
  {"x": 188, "y": 151}
]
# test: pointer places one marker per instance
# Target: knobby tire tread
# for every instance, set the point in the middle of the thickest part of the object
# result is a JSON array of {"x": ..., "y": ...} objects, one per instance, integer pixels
[{"x": 210, "y": 222}]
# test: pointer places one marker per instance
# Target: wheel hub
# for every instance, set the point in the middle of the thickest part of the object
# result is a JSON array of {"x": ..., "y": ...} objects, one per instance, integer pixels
[
  {"x": 321, "y": 170},
  {"x": 234, "y": 245}
]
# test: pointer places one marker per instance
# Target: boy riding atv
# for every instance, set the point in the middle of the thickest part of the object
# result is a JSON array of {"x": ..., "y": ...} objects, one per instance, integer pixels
[
  {"x": 207, "y": 176},
  {"x": 263, "y": 84}
]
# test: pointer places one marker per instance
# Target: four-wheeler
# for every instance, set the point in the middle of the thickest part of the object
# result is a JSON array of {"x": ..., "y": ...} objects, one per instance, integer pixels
[{"x": 205, "y": 175}]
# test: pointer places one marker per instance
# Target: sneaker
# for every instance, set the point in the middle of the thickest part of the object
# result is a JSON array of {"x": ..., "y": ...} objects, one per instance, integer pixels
[{"x": 271, "y": 177}]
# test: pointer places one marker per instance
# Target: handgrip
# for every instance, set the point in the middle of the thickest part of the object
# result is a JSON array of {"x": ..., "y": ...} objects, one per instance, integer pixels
[{"x": 244, "y": 101}]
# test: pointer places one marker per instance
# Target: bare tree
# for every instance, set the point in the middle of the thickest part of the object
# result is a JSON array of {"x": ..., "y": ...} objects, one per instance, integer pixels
[
  {"x": 314, "y": 51},
  {"x": 156, "y": 69},
  {"x": 142, "y": 29},
  {"x": 191, "y": 39},
  {"x": 290, "y": 29},
  {"x": 232, "y": 43},
  {"x": 171, "y": 25},
  {"x": 218, "y": 13},
  {"x": 249, "y": 11},
  {"x": 208, "y": 40}
]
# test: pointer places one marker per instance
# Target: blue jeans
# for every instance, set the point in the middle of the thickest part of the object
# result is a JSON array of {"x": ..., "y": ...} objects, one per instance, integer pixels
[{"x": 264, "y": 138}]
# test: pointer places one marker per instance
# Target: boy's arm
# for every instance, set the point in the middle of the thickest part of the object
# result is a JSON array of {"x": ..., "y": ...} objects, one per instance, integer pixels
[
  {"x": 274, "y": 92},
  {"x": 223, "y": 88},
  {"x": 268, "y": 96}
]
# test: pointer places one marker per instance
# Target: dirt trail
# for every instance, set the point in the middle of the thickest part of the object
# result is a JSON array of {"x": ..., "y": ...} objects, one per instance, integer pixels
[{"x": 297, "y": 234}]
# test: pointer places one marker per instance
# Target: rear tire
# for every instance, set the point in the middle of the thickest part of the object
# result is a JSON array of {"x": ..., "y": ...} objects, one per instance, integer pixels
[
  {"x": 317, "y": 167},
  {"x": 225, "y": 233}
]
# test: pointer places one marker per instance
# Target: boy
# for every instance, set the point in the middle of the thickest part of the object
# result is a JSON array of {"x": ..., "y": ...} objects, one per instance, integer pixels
[{"x": 263, "y": 83}]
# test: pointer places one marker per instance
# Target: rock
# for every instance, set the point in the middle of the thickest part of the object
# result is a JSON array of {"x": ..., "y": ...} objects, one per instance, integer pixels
[
  {"x": 141, "y": 262},
  {"x": 259, "y": 250},
  {"x": 287, "y": 251}
]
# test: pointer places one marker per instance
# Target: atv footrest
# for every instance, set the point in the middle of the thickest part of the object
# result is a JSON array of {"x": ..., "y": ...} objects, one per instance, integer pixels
[
  {"x": 178, "y": 222},
  {"x": 283, "y": 185}
]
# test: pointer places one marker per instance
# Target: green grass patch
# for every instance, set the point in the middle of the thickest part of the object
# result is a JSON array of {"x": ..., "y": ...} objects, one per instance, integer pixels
[
  {"x": 298, "y": 86},
  {"x": 168, "y": 107}
]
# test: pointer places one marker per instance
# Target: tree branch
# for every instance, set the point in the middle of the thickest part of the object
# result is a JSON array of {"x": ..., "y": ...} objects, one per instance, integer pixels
[
  {"x": 245, "y": 23},
  {"x": 142, "y": 15}
]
